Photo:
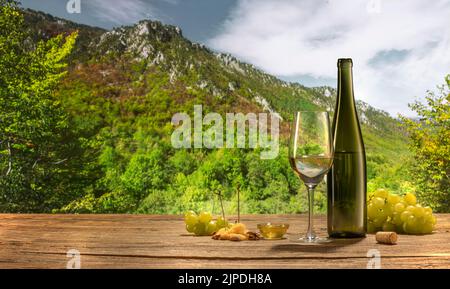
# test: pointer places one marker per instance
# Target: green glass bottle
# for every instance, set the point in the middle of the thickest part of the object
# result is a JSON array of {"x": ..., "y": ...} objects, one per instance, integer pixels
[{"x": 346, "y": 181}]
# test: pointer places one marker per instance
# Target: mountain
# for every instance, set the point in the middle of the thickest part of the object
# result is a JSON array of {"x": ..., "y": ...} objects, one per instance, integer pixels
[
  {"x": 154, "y": 44},
  {"x": 122, "y": 90}
]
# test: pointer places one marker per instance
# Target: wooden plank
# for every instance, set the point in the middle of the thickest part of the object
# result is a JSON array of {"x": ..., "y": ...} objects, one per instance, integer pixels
[
  {"x": 160, "y": 241},
  {"x": 36, "y": 261}
]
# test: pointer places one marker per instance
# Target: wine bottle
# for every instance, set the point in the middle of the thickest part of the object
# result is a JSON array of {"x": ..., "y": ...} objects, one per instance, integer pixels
[{"x": 346, "y": 180}]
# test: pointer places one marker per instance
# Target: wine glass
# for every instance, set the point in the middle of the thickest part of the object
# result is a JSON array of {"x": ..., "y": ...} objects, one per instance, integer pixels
[{"x": 311, "y": 154}]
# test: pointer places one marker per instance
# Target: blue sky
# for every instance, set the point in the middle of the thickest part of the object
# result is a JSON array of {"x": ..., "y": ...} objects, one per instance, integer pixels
[
  {"x": 199, "y": 19},
  {"x": 400, "y": 48}
]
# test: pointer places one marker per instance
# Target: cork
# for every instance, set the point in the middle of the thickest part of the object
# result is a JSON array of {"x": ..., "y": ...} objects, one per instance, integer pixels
[{"x": 386, "y": 238}]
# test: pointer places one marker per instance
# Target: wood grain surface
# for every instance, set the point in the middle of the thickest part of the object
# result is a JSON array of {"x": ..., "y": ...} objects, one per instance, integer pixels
[{"x": 161, "y": 241}]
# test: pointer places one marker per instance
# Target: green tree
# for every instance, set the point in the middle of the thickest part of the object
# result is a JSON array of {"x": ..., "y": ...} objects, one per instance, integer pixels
[
  {"x": 145, "y": 172},
  {"x": 33, "y": 124},
  {"x": 430, "y": 142}
]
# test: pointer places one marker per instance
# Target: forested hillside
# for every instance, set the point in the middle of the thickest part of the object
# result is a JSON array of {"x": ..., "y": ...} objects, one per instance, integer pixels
[{"x": 122, "y": 88}]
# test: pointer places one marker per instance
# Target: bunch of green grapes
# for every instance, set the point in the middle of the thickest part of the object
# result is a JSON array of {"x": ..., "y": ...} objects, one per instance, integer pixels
[
  {"x": 203, "y": 223},
  {"x": 390, "y": 212}
]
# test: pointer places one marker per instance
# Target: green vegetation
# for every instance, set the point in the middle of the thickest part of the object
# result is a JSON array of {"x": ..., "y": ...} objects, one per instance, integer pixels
[
  {"x": 33, "y": 125},
  {"x": 430, "y": 143},
  {"x": 96, "y": 139}
]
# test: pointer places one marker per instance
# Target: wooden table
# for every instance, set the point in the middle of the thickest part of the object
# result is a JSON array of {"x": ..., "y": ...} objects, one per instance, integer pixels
[{"x": 160, "y": 241}]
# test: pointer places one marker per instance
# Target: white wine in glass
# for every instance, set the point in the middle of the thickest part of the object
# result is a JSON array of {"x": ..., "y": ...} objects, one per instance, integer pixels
[{"x": 311, "y": 156}]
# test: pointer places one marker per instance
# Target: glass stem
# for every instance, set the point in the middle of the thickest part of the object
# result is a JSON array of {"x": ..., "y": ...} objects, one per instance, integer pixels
[{"x": 310, "y": 235}]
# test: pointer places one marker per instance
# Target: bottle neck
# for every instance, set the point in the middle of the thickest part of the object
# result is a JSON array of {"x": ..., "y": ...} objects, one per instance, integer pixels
[
  {"x": 345, "y": 86},
  {"x": 346, "y": 129}
]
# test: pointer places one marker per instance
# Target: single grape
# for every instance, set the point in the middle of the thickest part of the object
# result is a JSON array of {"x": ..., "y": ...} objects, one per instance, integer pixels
[
  {"x": 211, "y": 227},
  {"x": 190, "y": 212},
  {"x": 388, "y": 227},
  {"x": 411, "y": 209},
  {"x": 190, "y": 228},
  {"x": 378, "y": 203},
  {"x": 372, "y": 211},
  {"x": 411, "y": 229},
  {"x": 419, "y": 211},
  {"x": 190, "y": 218},
  {"x": 405, "y": 215},
  {"x": 411, "y": 220},
  {"x": 378, "y": 222},
  {"x": 200, "y": 229},
  {"x": 393, "y": 199},
  {"x": 413, "y": 226},
  {"x": 205, "y": 217},
  {"x": 410, "y": 199},
  {"x": 383, "y": 213},
  {"x": 399, "y": 207},
  {"x": 381, "y": 193},
  {"x": 428, "y": 210},
  {"x": 221, "y": 222}
]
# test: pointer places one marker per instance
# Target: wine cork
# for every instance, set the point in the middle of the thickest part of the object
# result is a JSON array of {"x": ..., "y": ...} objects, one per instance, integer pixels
[{"x": 386, "y": 237}]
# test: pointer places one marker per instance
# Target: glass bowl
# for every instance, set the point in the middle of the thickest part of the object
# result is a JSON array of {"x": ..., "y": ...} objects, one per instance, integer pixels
[{"x": 273, "y": 231}]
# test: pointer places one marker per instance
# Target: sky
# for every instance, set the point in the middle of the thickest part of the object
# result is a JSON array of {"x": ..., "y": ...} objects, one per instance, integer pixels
[{"x": 400, "y": 48}]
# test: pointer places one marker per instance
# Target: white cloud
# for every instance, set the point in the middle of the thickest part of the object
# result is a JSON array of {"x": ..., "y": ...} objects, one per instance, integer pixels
[{"x": 398, "y": 53}]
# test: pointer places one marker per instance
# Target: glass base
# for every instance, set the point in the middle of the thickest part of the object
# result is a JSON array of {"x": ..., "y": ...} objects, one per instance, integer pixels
[{"x": 309, "y": 239}]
